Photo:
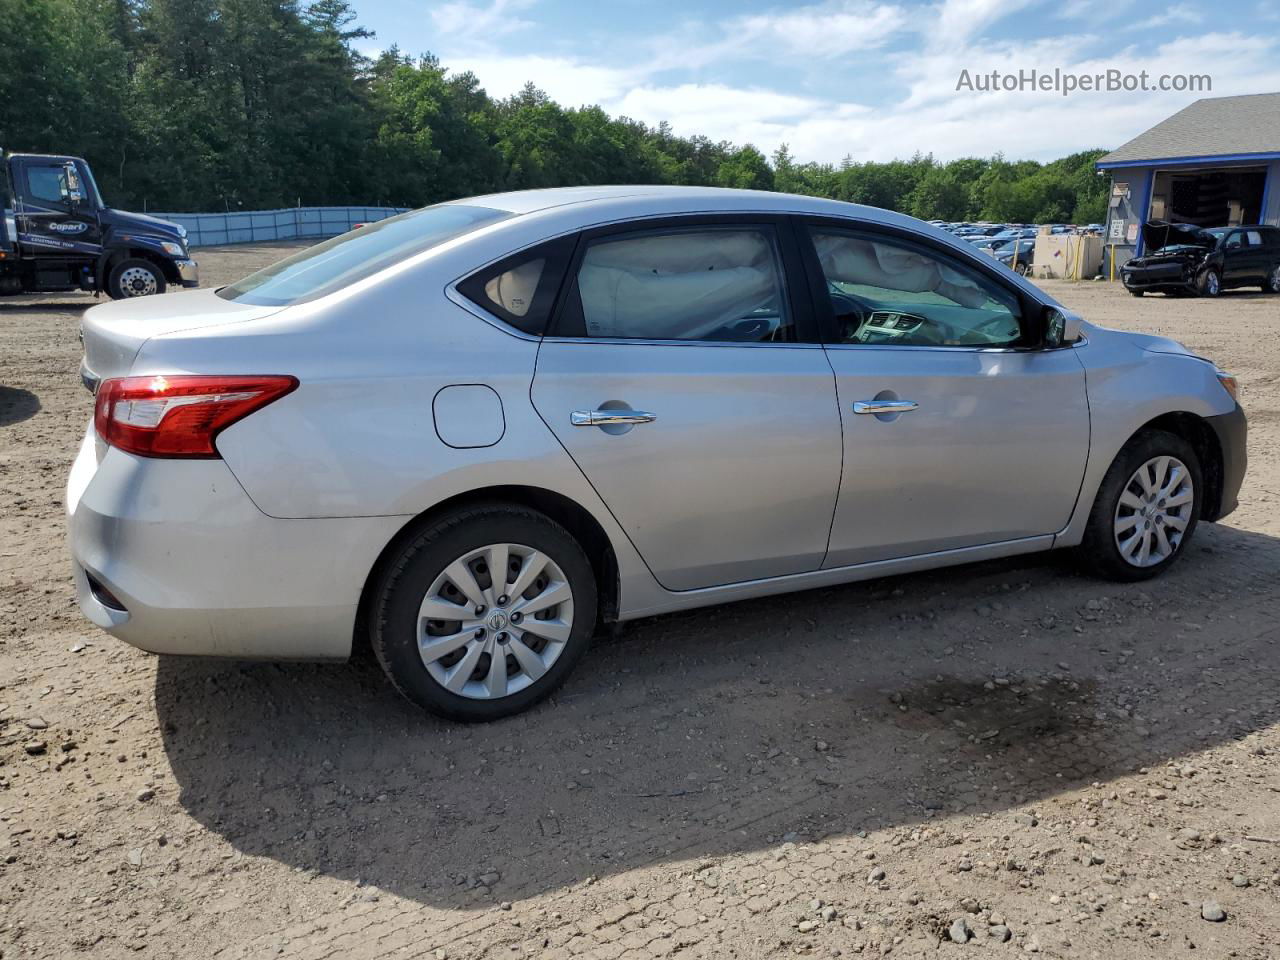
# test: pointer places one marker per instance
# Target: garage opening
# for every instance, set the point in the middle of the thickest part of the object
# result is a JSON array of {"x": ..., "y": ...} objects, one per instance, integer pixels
[{"x": 1209, "y": 198}]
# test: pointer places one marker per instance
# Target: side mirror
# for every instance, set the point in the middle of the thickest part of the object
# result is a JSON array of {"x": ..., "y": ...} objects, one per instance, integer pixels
[
  {"x": 74, "y": 194},
  {"x": 1061, "y": 328}
]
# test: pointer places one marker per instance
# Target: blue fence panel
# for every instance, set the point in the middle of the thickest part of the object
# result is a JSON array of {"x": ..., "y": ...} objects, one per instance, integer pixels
[{"x": 268, "y": 226}]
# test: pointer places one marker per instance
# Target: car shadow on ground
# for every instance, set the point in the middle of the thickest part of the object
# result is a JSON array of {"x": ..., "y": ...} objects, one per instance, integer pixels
[
  {"x": 48, "y": 306},
  {"x": 1245, "y": 293},
  {"x": 976, "y": 689},
  {"x": 17, "y": 405}
]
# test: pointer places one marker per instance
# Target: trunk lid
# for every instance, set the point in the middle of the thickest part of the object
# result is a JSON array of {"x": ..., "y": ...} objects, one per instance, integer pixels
[{"x": 113, "y": 333}]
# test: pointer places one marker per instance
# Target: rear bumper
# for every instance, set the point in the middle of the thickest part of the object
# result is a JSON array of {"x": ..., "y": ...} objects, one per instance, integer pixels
[
  {"x": 188, "y": 272},
  {"x": 173, "y": 557},
  {"x": 88, "y": 378},
  {"x": 1232, "y": 431}
]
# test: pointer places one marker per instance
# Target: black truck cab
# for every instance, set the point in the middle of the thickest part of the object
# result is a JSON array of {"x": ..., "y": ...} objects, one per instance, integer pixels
[{"x": 57, "y": 234}]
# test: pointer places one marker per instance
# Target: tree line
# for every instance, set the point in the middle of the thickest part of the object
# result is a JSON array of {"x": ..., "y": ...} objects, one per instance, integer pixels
[{"x": 249, "y": 104}]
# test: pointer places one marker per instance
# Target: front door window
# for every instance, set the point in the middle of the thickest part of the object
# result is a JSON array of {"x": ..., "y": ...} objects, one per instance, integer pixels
[{"x": 888, "y": 292}]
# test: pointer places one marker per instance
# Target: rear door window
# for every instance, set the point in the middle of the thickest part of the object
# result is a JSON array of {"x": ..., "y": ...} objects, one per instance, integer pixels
[{"x": 703, "y": 283}]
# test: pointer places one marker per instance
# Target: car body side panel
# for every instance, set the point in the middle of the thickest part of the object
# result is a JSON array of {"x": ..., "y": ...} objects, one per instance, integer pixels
[{"x": 1130, "y": 386}]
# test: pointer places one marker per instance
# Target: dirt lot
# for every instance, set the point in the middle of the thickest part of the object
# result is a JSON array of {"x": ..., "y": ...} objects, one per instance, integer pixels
[{"x": 1067, "y": 766}]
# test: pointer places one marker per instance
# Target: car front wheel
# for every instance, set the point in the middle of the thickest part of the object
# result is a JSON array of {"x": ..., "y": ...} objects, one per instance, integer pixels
[
  {"x": 1210, "y": 284},
  {"x": 134, "y": 277},
  {"x": 484, "y": 612},
  {"x": 1146, "y": 510}
]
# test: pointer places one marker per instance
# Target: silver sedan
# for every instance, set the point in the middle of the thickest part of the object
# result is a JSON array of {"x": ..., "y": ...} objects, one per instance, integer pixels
[{"x": 472, "y": 434}]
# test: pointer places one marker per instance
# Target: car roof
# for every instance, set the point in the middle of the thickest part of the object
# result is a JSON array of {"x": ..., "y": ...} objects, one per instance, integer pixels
[
  {"x": 679, "y": 200},
  {"x": 44, "y": 156}
]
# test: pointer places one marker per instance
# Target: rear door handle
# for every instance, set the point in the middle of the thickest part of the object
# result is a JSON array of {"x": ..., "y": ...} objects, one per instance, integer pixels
[
  {"x": 884, "y": 406},
  {"x": 609, "y": 418}
]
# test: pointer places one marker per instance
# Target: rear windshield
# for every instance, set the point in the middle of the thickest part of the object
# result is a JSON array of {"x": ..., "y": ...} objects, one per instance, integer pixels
[{"x": 339, "y": 262}]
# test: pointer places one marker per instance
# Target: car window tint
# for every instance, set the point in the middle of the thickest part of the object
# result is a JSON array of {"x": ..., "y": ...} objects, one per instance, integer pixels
[
  {"x": 711, "y": 284},
  {"x": 521, "y": 289},
  {"x": 340, "y": 262},
  {"x": 890, "y": 292},
  {"x": 47, "y": 184},
  {"x": 1255, "y": 238},
  {"x": 1235, "y": 241}
]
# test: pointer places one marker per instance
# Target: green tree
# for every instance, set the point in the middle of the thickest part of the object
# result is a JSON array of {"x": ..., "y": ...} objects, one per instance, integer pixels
[{"x": 746, "y": 169}]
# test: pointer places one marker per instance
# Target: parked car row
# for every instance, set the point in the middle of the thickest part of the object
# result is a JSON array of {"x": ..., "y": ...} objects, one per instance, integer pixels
[{"x": 1011, "y": 244}]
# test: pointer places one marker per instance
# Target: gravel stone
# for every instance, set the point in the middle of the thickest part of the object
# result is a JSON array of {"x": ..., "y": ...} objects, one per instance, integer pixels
[{"x": 1211, "y": 911}]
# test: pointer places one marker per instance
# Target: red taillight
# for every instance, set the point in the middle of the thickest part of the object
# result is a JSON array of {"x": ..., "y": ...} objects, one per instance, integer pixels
[{"x": 179, "y": 416}]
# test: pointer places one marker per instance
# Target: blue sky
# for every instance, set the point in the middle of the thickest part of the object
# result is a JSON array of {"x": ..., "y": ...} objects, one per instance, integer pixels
[{"x": 873, "y": 79}]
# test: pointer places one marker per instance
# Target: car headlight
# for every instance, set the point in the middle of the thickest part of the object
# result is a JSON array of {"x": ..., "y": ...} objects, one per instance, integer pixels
[
  {"x": 1229, "y": 384},
  {"x": 173, "y": 249}
]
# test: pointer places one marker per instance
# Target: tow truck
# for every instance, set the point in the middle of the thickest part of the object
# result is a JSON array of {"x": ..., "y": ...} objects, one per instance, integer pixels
[{"x": 56, "y": 234}]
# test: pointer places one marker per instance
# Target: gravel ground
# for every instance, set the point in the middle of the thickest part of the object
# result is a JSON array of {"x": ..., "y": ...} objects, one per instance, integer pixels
[{"x": 1006, "y": 754}]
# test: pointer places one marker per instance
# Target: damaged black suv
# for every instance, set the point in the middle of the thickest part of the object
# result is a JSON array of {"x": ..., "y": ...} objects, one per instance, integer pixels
[{"x": 1182, "y": 258}]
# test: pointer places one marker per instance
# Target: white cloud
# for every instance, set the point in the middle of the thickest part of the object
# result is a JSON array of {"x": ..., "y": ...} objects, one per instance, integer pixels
[
  {"x": 1095, "y": 11},
  {"x": 569, "y": 82},
  {"x": 786, "y": 37},
  {"x": 1179, "y": 14},
  {"x": 461, "y": 20},
  {"x": 820, "y": 30},
  {"x": 720, "y": 112},
  {"x": 953, "y": 23}
]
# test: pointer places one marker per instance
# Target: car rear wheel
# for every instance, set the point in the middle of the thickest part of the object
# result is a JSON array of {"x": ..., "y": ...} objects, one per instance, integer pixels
[
  {"x": 1146, "y": 509},
  {"x": 134, "y": 277},
  {"x": 1136, "y": 293},
  {"x": 484, "y": 613},
  {"x": 1209, "y": 284}
]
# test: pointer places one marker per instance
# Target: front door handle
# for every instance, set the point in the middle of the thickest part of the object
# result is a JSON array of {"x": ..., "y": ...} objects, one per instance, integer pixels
[
  {"x": 609, "y": 418},
  {"x": 884, "y": 406}
]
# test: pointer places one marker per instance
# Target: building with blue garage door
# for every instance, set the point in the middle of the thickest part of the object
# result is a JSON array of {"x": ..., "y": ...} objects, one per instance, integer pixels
[{"x": 1214, "y": 164}]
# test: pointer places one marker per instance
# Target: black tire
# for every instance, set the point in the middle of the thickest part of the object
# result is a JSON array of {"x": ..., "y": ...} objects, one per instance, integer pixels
[
  {"x": 409, "y": 575},
  {"x": 116, "y": 279},
  {"x": 1136, "y": 293},
  {"x": 1272, "y": 284},
  {"x": 1099, "y": 553},
  {"x": 1207, "y": 289}
]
